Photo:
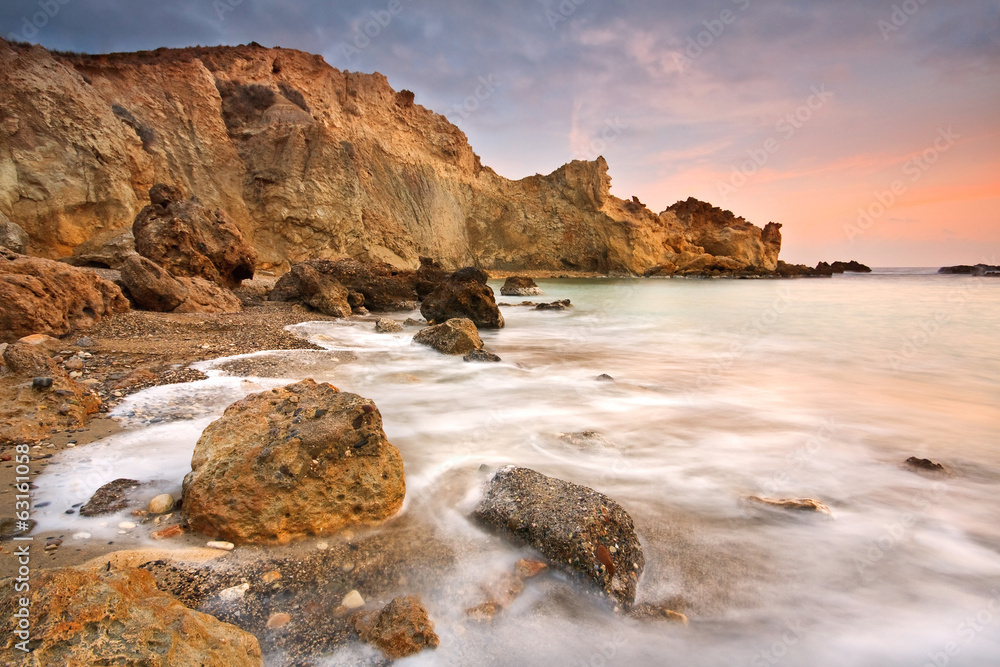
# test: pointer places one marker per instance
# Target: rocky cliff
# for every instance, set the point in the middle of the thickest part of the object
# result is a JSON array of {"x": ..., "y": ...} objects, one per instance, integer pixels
[{"x": 310, "y": 161}]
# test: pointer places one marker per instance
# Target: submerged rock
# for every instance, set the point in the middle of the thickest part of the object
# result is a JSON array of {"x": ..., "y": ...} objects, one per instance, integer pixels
[
  {"x": 305, "y": 459},
  {"x": 303, "y": 283},
  {"x": 40, "y": 296},
  {"x": 456, "y": 336},
  {"x": 119, "y": 617},
  {"x": 520, "y": 286},
  {"x": 400, "y": 629},
  {"x": 189, "y": 240},
  {"x": 111, "y": 498},
  {"x": 923, "y": 465},
  {"x": 580, "y": 530},
  {"x": 460, "y": 297},
  {"x": 481, "y": 356},
  {"x": 798, "y": 504},
  {"x": 562, "y": 304}
]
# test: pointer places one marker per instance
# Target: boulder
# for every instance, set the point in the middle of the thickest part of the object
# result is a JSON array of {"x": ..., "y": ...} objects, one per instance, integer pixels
[
  {"x": 107, "y": 250},
  {"x": 429, "y": 276},
  {"x": 520, "y": 286},
  {"x": 12, "y": 236},
  {"x": 562, "y": 304},
  {"x": 469, "y": 274},
  {"x": 188, "y": 239},
  {"x": 118, "y": 617},
  {"x": 400, "y": 629},
  {"x": 924, "y": 465},
  {"x": 481, "y": 356},
  {"x": 303, "y": 283},
  {"x": 463, "y": 298},
  {"x": 385, "y": 325},
  {"x": 382, "y": 286},
  {"x": 969, "y": 270},
  {"x": 456, "y": 336},
  {"x": 153, "y": 288},
  {"x": 852, "y": 266},
  {"x": 43, "y": 296},
  {"x": 581, "y": 531},
  {"x": 305, "y": 459},
  {"x": 37, "y": 396}
]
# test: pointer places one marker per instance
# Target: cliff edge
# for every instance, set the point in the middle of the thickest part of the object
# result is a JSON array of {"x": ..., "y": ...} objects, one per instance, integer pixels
[{"x": 313, "y": 162}]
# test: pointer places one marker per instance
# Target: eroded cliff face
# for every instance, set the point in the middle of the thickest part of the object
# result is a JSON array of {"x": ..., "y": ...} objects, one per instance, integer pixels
[{"x": 310, "y": 161}]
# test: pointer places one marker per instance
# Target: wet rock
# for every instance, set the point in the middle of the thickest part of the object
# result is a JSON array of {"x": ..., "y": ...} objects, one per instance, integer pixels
[
  {"x": 481, "y": 356},
  {"x": 527, "y": 568},
  {"x": 970, "y": 270},
  {"x": 278, "y": 620},
  {"x": 604, "y": 377},
  {"x": 467, "y": 298},
  {"x": 119, "y": 617},
  {"x": 41, "y": 382},
  {"x": 42, "y": 296},
  {"x": 852, "y": 266},
  {"x": 456, "y": 336},
  {"x": 562, "y": 304},
  {"x": 413, "y": 322},
  {"x": 167, "y": 533},
  {"x": 385, "y": 325},
  {"x": 303, "y": 283},
  {"x": 305, "y": 459},
  {"x": 161, "y": 504},
  {"x": 400, "y": 629},
  {"x": 111, "y": 498},
  {"x": 189, "y": 240},
  {"x": 785, "y": 270},
  {"x": 797, "y": 504},
  {"x": 580, "y": 530},
  {"x": 520, "y": 286},
  {"x": 153, "y": 288},
  {"x": 12, "y": 236},
  {"x": 924, "y": 465}
]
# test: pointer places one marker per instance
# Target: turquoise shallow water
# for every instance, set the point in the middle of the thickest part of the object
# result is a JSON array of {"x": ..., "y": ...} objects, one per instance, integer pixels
[{"x": 816, "y": 388}]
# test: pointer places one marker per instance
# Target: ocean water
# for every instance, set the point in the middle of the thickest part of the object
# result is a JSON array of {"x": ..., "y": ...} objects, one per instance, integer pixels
[{"x": 815, "y": 388}]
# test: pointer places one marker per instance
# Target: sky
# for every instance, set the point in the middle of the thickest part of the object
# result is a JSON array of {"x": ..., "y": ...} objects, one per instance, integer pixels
[{"x": 869, "y": 129}]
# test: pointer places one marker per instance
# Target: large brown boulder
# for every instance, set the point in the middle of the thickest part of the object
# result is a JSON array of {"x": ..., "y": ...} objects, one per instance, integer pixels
[
  {"x": 107, "y": 250},
  {"x": 42, "y": 296},
  {"x": 153, "y": 288},
  {"x": 188, "y": 239},
  {"x": 463, "y": 298},
  {"x": 581, "y": 531},
  {"x": 30, "y": 409},
  {"x": 456, "y": 336},
  {"x": 400, "y": 629},
  {"x": 429, "y": 276},
  {"x": 303, "y": 283},
  {"x": 301, "y": 460},
  {"x": 99, "y": 617}
]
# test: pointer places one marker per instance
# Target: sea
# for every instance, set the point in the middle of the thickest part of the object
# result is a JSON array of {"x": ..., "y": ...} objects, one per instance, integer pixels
[{"x": 718, "y": 390}]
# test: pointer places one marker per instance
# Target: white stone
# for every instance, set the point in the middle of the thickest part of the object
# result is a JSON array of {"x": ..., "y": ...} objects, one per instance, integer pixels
[
  {"x": 234, "y": 593},
  {"x": 225, "y": 546},
  {"x": 353, "y": 600}
]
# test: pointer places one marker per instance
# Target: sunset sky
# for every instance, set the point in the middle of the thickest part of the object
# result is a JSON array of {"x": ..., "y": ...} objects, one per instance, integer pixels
[{"x": 870, "y": 130}]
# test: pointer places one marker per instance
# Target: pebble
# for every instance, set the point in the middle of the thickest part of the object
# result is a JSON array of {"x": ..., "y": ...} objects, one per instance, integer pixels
[
  {"x": 126, "y": 525},
  {"x": 322, "y": 546},
  {"x": 278, "y": 620},
  {"x": 217, "y": 544},
  {"x": 353, "y": 600},
  {"x": 167, "y": 533},
  {"x": 271, "y": 577},
  {"x": 161, "y": 504},
  {"x": 82, "y": 535},
  {"x": 234, "y": 592}
]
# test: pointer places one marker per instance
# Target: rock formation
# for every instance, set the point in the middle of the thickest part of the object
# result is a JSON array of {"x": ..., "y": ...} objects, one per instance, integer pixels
[
  {"x": 188, "y": 240},
  {"x": 153, "y": 288},
  {"x": 463, "y": 298},
  {"x": 455, "y": 336},
  {"x": 303, "y": 283},
  {"x": 118, "y": 617},
  {"x": 313, "y": 162},
  {"x": 39, "y": 296},
  {"x": 582, "y": 531},
  {"x": 301, "y": 460}
]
